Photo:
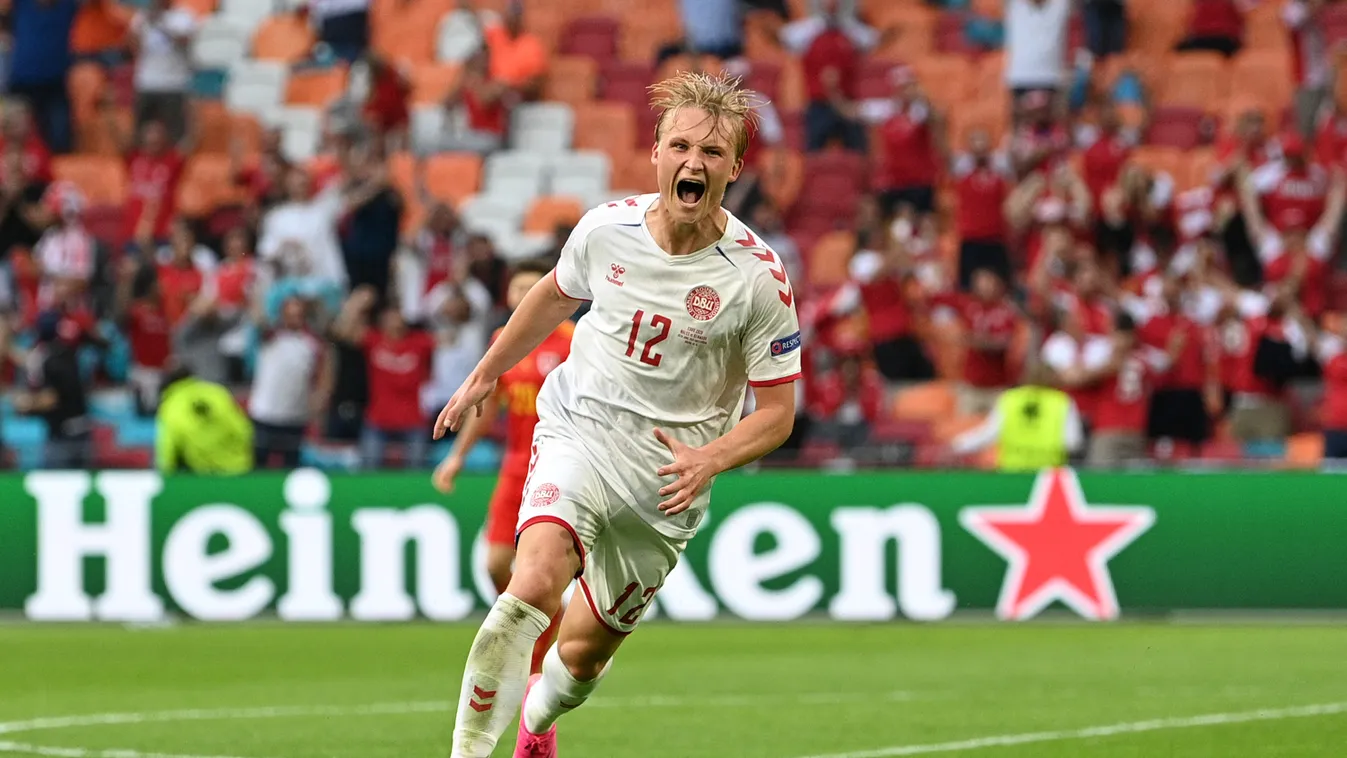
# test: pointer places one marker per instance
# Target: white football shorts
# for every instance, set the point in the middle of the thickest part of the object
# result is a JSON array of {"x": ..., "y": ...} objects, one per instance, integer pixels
[{"x": 624, "y": 560}]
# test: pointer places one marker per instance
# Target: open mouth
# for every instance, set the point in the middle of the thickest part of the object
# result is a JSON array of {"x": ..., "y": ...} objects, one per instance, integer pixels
[{"x": 690, "y": 191}]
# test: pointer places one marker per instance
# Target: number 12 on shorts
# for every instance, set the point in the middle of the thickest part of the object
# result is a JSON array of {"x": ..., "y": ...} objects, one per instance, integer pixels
[
  {"x": 662, "y": 323},
  {"x": 634, "y": 613}
]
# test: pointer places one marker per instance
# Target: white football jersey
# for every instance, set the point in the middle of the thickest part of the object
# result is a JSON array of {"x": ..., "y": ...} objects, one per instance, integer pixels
[{"x": 669, "y": 342}]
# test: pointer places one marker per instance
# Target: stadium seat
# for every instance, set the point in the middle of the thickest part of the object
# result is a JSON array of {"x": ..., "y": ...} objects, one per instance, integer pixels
[
  {"x": 1154, "y": 28},
  {"x": 624, "y": 82},
  {"x": 1170, "y": 160},
  {"x": 102, "y": 179},
  {"x": 947, "y": 79},
  {"x": 198, "y": 8},
  {"x": 453, "y": 177},
  {"x": 216, "y": 127},
  {"x": 432, "y": 82},
  {"x": 1175, "y": 127},
  {"x": 247, "y": 14},
  {"x": 316, "y": 88},
  {"x": 513, "y": 175},
  {"x": 1195, "y": 80},
  {"x": 255, "y": 87},
  {"x": 911, "y": 31},
  {"x": 545, "y": 214},
  {"x": 427, "y": 128},
  {"x": 84, "y": 83},
  {"x": 1201, "y": 164},
  {"x": 989, "y": 79},
  {"x": 301, "y": 131},
  {"x": 220, "y": 43},
  {"x": 571, "y": 79},
  {"x": 457, "y": 37},
  {"x": 584, "y": 175},
  {"x": 286, "y": 39},
  {"x": 497, "y": 217},
  {"x": 594, "y": 36},
  {"x": 928, "y": 401},
  {"x": 207, "y": 183},
  {"x": 830, "y": 258},
  {"x": 610, "y": 127},
  {"x": 542, "y": 127},
  {"x": 1263, "y": 75}
]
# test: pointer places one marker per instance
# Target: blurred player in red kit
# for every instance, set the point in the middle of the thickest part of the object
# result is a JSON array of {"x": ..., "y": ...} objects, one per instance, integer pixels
[{"x": 517, "y": 395}]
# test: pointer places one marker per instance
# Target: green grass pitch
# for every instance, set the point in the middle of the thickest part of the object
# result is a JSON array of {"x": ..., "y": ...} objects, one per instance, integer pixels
[{"x": 690, "y": 691}]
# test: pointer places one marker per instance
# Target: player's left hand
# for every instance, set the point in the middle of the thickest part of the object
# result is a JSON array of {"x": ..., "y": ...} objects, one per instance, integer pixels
[{"x": 694, "y": 469}]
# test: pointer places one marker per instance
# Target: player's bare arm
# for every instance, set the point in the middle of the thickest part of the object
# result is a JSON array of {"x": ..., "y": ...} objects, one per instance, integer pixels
[
  {"x": 758, "y": 434},
  {"x": 539, "y": 314},
  {"x": 475, "y": 426}
]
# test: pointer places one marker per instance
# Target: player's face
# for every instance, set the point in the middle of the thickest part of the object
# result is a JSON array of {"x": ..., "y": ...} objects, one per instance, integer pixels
[
  {"x": 520, "y": 284},
  {"x": 694, "y": 161}
]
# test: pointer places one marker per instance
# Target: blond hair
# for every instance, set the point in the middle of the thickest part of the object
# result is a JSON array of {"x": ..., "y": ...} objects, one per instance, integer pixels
[{"x": 719, "y": 95}]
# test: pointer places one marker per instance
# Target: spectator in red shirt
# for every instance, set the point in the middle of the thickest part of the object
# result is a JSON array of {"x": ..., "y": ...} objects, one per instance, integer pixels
[
  {"x": 262, "y": 178},
  {"x": 1295, "y": 191},
  {"x": 1216, "y": 25},
  {"x": 881, "y": 287},
  {"x": 17, "y": 130},
  {"x": 1122, "y": 402},
  {"x": 386, "y": 107},
  {"x": 1333, "y": 360},
  {"x": 231, "y": 285},
  {"x": 153, "y": 170},
  {"x": 1135, "y": 203},
  {"x": 1041, "y": 142},
  {"x": 1179, "y": 408},
  {"x": 486, "y": 105},
  {"x": 830, "y": 56},
  {"x": 180, "y": 277},
  {"x": 140, "y": 312},
  {"x": 989, "y": 319},
  {"x": 1260, "y": 354},
  {"x": 398, "y": 364},
  {"x": 848, "y": 401},
  {"x": 1107, "y": 147},
  {"x": 982, "y": 185},
  {"x": 911, "y": 148}
]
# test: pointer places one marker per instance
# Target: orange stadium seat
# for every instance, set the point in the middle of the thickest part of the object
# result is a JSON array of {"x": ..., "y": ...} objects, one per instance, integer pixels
[
  {"x": 317, "y": 89},
  {"x": 1201, "y": 164},
  {"x": 432, "y": 82},
  {"x": 927, "y": 401},
  {"x": 1305, "y": 450},
  {"x": 1195, "y": 80},
  {"x": 1156, "y": 26},
  {"x": 1263, "y": 75},
  {"x": 632, "y": 171},
  {"x": 92, "y": 136},
  {"x": 406, "y": 41},
  {"x": 828, "y": 262},
  {"x": 84, "y": 83},
  {"x": 453, "y": 177},
  {"x": 571, "y": 80},
  {"x": 990, "y": 78},
  {"x": 207, "y": 184},
  {"x": 946, "y": 79},
  {"x": 547, "y": 213},
  {"x": 102, "y": 179},
  {"x": 1264, "y": 29},
  {"x": 286, "y": 38},
  {"x": 198, "y": 8},
  {"x": 909, "y": 32},
  {"x": 609, "y": 127},
  {"x": 218, "y": 128}
]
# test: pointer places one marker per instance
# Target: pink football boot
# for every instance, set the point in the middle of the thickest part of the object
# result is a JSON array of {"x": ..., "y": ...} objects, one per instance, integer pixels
[{"x": 529, "y": 745}]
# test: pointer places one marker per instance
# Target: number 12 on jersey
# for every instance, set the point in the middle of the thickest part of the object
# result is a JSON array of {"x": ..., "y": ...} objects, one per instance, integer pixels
[{"x": 648, "y": 356}]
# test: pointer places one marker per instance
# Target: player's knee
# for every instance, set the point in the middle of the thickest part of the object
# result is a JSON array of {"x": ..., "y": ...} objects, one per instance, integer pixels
[
  {"x": 583, "y": 659},
  {"x": 544, "y": 565}
]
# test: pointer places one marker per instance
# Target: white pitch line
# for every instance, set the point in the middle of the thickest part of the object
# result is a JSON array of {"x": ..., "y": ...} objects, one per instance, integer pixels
[
  {"x": 79, "y": 752},
  {"x": 1109, "y": 730}
]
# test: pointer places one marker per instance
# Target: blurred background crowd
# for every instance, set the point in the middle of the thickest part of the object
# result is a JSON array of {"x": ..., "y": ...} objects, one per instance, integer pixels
[{"x": 318, "y": 205}]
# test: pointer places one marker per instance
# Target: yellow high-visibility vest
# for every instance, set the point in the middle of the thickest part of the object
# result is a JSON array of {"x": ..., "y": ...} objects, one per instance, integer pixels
[{"x": 1033, "y": 428}]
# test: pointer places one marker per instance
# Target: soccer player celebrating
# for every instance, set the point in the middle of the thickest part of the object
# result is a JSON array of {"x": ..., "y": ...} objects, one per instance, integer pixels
[
  {"x": 517, "y": 393},
  {"x": 688, "y": 306}
]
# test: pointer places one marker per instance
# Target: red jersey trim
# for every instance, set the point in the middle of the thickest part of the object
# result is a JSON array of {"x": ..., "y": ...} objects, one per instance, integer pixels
[
  {"x": 579, "y": 546},
  {"x": 774, "y": 382},
  {"x": 563, "y": 292},
  {"x": 589, "y": 599}
]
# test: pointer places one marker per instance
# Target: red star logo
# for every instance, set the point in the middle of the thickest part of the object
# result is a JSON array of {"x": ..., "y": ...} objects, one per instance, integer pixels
[{"x": 1058, "y": 547}]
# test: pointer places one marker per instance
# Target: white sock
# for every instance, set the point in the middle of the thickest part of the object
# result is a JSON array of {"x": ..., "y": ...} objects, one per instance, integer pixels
[
  {"x": 496, "y": 674},
  {"x": 556, "y": 693}
]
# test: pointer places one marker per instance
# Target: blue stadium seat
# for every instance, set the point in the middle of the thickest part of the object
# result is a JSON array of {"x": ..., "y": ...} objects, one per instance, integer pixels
[{"x": 134, "y": 431}]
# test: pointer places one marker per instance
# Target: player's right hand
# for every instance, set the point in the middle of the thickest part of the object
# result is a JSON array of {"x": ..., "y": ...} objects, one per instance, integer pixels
[
  {"x": 445, "y": 473},
  {"x": 473, "y": 394}
]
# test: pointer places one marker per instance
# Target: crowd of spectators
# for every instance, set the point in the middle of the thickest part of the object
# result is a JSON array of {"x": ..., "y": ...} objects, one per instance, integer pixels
[{"x": 929, "y": 250}]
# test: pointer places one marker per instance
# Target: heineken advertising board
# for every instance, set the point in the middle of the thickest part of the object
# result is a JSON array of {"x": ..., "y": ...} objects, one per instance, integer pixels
[{"x": 135, "y": 546}]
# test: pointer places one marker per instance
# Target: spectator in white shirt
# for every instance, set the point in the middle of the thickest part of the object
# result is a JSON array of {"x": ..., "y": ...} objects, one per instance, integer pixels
[
  {"x": 65, "y": 253},
  {"x": 1036, "y": 37},
  {"x": 161, "y": 38},
  {"x": 290, "y": 385}
]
